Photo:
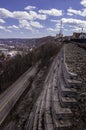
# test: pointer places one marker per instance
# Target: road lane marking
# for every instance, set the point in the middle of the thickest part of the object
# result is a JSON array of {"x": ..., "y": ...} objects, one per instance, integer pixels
[
  {"x": 11, "y": 87},
  {"x": 8, "y": 101},
  {"x": 25, "y": 79}
]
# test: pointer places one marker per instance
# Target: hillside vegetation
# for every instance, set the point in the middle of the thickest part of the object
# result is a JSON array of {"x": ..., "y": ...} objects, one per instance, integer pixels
[{"x": 15, "y": 67}]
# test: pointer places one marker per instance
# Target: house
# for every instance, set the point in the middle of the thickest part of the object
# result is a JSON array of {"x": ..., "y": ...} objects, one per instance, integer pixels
[
  {"x": 82, "y": 36},
  {"x": 59, "y": 35},
  {"x": 79, "y": 35},
  {"x": 68, "y": 38},
  {"x": 4, "y": 51}
]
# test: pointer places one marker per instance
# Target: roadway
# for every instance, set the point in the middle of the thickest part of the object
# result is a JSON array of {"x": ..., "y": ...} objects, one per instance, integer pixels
[{"x": 13, "y": 93}]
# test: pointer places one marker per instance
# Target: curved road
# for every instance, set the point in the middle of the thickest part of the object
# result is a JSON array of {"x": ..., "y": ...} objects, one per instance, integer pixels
[{"x": 13, "y": 93}]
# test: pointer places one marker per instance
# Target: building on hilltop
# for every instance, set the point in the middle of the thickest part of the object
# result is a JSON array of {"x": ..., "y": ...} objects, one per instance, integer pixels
[
  {"x": 59, "y": 35},
  {"x": 77, "y": 35}
]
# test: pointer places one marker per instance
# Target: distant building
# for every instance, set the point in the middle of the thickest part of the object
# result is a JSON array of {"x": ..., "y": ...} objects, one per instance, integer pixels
[
  {"x": 79, "y": 35},
  {"x": 68, "y": 38},
  {"x": 12, "y": 53},
  {"x": 59, "y": 35},
  {"x": 11, "y": 47},
  {"x": 82, "y": 36},
  {"x": 4, "y": 51}
]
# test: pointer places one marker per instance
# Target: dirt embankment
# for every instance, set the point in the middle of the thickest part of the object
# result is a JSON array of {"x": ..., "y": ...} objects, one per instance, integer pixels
[{"x": 75, "y": 55}]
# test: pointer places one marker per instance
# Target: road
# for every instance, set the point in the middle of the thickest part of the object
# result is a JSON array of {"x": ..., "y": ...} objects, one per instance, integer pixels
[{"x": 13, "y": 93}]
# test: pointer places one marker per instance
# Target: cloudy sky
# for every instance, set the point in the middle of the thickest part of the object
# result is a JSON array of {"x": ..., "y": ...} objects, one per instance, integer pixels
[{"x": 38, "y": 18}]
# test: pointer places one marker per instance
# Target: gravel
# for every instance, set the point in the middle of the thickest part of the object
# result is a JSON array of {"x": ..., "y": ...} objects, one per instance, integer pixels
[
  {"x": 76, "y": 60},
  {"x": 75, "y": 57}
]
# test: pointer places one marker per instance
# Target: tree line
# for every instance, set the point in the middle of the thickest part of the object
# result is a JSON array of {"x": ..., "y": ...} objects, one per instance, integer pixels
[{"x": 16, "y": 66}]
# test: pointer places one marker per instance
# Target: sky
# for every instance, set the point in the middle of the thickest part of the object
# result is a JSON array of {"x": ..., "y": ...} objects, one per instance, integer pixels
[{"x": 39, "y": 18}]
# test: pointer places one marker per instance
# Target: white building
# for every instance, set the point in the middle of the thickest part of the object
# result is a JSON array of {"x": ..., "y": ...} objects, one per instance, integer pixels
[
  {"x": 59, "y": 35},
  {"x": 3, "y": 50},
  {"x": 79, "y": 35},
  {"x": 12, "y": 53},
  {"x": 82, "y": 36}
]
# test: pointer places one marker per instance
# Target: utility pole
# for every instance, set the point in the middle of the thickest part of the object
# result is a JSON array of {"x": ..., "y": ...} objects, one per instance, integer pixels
[
  {"x": 60, "y": 28},
  {"x": 82, "y": 33},
  {"x": 60, "y": 32},
  {"x": 82, "y": 29},
  {"x": 60, "y": 35}
]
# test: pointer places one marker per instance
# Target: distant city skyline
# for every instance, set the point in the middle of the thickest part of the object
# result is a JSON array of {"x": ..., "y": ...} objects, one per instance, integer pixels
[{"x": 38, "y": 18}]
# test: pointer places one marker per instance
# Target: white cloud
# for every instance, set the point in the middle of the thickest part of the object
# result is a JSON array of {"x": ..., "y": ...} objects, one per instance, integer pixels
[
  {"x": 54, "y": 20},
  {"x": 30, "y": 25},
  {"x": 22, "y": 32},
  {"x": 52, "y": 12},
  {"x": 5, "y": 13},
  {"x": 31, "y": 15},
  {"x": 30, "y": 7},
  {"x": 56, "y": 28},
  {"x": 74, "y": 21},
  {"x": 2, "y": 21},
  {"x": 37, "y": 16},
  {"x": 4, "y": 28},
  {"x": 52, "y": 29},
  {"x": 77, "y": 12},
  {"x": 22, "y": 15},
  {"x": 76, "y": 29},
  {"x": 7, "y": 30},
  {"x": 70, "y": 14},
  {"x": 13, "y": 27},
  {"x": 25, "y": 24},
  {"x": 69, "y": 25},
  {"x": 83, "y": 2},
  {"x": 36, "y": 24}
]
